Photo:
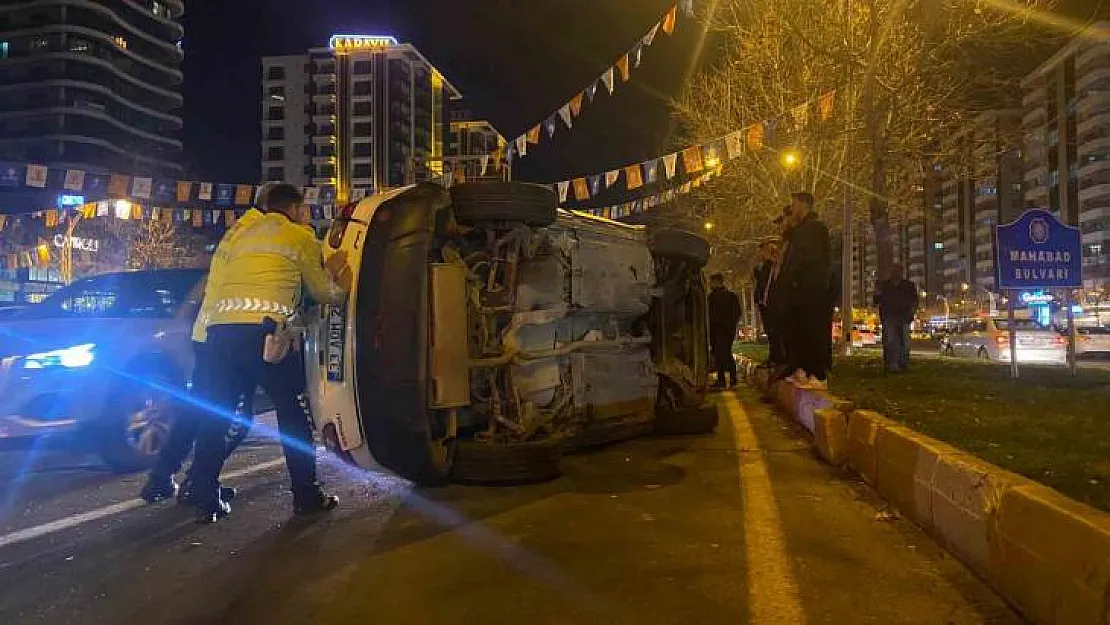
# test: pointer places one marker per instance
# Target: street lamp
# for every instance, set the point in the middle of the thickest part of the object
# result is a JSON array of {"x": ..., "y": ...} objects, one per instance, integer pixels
[
  {"x": 790, "y": 158},
  {"x": 708, "y": 225}
]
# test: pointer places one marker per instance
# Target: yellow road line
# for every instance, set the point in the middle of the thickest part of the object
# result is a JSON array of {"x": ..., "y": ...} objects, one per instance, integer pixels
[{"x": 773, "y": 592}]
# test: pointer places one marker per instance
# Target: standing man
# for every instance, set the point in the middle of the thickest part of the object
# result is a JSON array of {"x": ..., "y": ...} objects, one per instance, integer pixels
[
  {"x": 773, "y": 301},
  {"x": 804, "y": 292},
  {"x": 724, "y": 315},
  {"x": 761, "y": 277},
  {"x": 255, "y": 288},
  {"x": 896, "y": 298}
]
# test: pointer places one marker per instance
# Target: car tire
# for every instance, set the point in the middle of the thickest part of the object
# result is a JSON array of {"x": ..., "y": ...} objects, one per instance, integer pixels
[
  {"x": 670, "y": 243},
  {"x": 330, "y": 437},
  {"x": 701, "y": 420},
  {"x": 137, "y": 424},
  {"x": 497, "y": 463},
  {"x": 484, "y": 202}
]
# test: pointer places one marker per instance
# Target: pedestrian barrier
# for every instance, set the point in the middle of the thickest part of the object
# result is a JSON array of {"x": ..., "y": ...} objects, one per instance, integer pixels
[{"x": 1046, "y": 554}]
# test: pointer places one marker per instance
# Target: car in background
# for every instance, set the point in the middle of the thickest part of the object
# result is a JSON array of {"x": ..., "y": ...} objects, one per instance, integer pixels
[
  {"x": 988, "y": 339},
  {"x": 106, "y": 358},
  {"x": 1092, "y": 341}
]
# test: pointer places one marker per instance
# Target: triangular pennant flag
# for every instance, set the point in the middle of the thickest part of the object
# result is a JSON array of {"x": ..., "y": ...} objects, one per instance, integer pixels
[
  {"x": 198, "y": 219},
  {"x": 140, "y": 188},
  {"x": 755, "y": 136},
  {"x": 483, "y": 162},
  {"x": 801, "y": 115},
  {"x": 651, "y": 171},
  {"x": 564, "y": 186},
  {"x": 633, "y": 177},
  {"x": 711, "y": 154},
  {"x": 137, "y": 212},
  {"x": 229, "y": 218},
  {"x": 510, "y": 151},
  {"x": 670, "y": 162},
  {"x": 591, "y": 91},
  {"x": 522, "y": 144},
  {"x": 102, "y": 209},
  {"x": 3, "y": 222},
  {"x": 36, "y": 176},
  {"x": 205, "y": 193},
  {"x": 825, "y": 105},
  {"x": 691, "y": 159},
  {"x": 184, "y": 191},
  {"x": 622, "y": 65},
  {"x": 687, "y": 7},
  {"x": 50, "y": 218},
  {"x": 75, "y": 180},
  {"x": 156, "y": 214},
  {"x": 595, "y": 184},
  {"x": 549, "y": 124},
  {"x": 576, "y": 104},
  {"x": 118, "y": 185},
  {"x": 43, "y": 252},
  {"x": 564, "y": 112},
  {"x": 734, "y": 144},
  {"x": 669, "y": 20},
  {"x": 581, "y": 189},
  {"x": 611, "y": 177},
  {"x": 607, "y": 78},
  {"x": 650, "y": 36},
  {"x": 533, "y": 136},
  {"x": 637, "y": 54},
  {"x": 216, "y": 217}
]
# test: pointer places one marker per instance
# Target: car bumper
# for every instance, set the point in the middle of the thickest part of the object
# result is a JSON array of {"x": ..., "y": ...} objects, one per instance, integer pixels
[
  {"x": 1036, "y": 356},
  {"x": 50, "y": 402}
]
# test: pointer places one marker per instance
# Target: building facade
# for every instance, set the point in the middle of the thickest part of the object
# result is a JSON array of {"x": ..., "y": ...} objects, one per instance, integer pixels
[
  {"x": 924, "y": 247},
  {"x": 474, "y": 146},
  {"x": 1066, "y": 128},
  {"x": 363, "y": 115},
  {"x": 91, "y": 85}
]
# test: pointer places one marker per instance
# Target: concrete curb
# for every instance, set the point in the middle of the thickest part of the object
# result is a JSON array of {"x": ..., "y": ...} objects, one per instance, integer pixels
[{"x": 1046, "y": 554}]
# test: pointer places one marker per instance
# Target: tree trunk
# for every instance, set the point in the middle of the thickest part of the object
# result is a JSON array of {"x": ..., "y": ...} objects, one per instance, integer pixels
[{"x": 880, "y": 217}]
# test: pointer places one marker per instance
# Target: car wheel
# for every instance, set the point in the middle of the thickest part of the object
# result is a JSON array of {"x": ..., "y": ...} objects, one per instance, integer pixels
[
  {"x": 137, "y": 424},
  {"x": 702, "y": 420},
  {"x": 506, "y": 463},
  {"x": 679, "y": 244},
  {"x": 482, "y": 202},
  {"x": 330, "y": 437}
]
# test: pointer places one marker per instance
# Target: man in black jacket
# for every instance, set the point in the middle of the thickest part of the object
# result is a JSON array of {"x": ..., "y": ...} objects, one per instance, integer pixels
[
  {"x": 896, "y": 298},
  {"x": 803, "y": 290},
  {"x": 724, "y": 315},
  {"x": 761, "y": 276}
]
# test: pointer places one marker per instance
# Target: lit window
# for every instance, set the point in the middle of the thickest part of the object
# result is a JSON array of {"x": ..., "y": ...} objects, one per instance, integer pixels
[
  {"x": 39, "y": 43},
  {"x": 120, "y": 42},
  {"x": 3, "y": 49},
  {"x": 79, "y": 45},
  {"x": 159, "y": 9}
]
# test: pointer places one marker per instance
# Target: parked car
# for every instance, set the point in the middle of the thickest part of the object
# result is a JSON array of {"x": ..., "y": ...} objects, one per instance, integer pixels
[
  {"x": 487, "y": 331},
  {"x": 989, "y": 339},
  {"x": 1092, "y": 340},
  {"x": 106, "y": 358}
]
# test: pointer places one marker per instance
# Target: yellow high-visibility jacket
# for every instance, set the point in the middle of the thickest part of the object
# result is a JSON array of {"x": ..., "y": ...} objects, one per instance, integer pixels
[{"x": 258, "y": 270}]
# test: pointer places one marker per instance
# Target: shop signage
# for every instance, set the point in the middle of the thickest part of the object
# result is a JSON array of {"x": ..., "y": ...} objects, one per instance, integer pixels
[
  {"x": 78, "y": 243},
  {"x": 66, "y": 200},
  {"x": 1039, "y": 252},
  {"x": 353, "y": 43},
  {"x": 1037, "y": 298}
]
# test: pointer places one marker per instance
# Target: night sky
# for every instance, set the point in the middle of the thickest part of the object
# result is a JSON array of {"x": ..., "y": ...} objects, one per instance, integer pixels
[{"x": 514, "y": 60}]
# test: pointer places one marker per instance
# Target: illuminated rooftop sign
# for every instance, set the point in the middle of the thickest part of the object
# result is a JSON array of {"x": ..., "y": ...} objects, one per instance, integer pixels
[{"x": 354, "y": 43}]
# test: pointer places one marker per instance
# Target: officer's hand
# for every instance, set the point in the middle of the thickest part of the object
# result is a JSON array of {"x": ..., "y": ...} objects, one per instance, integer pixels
[{"x": 340, "y": 270}]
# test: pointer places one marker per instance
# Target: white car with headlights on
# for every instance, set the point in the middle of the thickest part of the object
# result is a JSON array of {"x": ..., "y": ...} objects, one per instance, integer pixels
[{"x": 106, "y": 359}]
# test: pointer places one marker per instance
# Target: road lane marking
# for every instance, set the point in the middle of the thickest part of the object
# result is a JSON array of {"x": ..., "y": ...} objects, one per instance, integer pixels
[
  {"x": 53, "y": 527},
  {"x": 772, "y": 590}
]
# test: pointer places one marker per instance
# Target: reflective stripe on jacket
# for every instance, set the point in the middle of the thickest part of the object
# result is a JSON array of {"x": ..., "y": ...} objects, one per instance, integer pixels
[{"x": 258, "y": 271}]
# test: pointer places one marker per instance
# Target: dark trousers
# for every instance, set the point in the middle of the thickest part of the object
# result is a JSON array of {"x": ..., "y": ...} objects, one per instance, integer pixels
[
  {"x": 775, "y": 344},
  {"x": 237, "y": 368},
  {"x": 807, "y": 332},
  {"x": 186, "y": 424},
  {"x": 896, "y": 344},
  {"x": 721, "y": 346}
]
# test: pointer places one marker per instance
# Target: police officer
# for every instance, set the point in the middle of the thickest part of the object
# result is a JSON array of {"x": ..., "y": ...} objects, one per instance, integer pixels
[
  {"x": 255, "y": 286},
  {"x": 183, "y": 433}
]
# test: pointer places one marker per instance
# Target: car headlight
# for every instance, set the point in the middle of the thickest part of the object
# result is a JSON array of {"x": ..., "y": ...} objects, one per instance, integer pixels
[{"x": 70, "y": 358}]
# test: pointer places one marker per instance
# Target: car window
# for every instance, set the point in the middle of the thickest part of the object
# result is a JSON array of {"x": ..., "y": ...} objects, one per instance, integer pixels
[
  {"x": 1019, "y": 324},
  {"x": 134, "y": 295}
]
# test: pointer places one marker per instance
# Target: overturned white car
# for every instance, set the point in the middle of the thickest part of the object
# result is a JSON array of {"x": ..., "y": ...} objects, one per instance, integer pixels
[{"x": 488, "y": 332}]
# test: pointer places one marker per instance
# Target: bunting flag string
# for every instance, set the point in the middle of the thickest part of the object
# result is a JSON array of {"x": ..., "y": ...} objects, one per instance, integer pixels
[
  {"x": 635, "y": 207},
  {"x": 621, "y": 68},
  {"x": 705, "y": 156}
]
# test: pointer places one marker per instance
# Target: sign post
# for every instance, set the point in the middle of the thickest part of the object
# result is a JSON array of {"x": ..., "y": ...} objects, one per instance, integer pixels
[
  {"x": 1038, "y": 251},
  {"x": 1012, "y": 332}
]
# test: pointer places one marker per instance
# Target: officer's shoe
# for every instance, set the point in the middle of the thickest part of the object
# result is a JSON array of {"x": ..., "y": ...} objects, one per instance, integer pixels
[
  {"x": 313, "y": 500},
  {"x": 187, "y": 496},
  {"x": 213, "y": 512},
  {"x": 158, "y": 489}
]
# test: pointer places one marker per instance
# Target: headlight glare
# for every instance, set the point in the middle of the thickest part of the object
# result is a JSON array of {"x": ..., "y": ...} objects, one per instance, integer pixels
[{"x": 70, "y": 358}]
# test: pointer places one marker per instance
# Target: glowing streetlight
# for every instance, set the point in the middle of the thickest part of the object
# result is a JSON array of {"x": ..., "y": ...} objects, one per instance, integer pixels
[
  {"x": 790, "y": 159},
  {"x": 708, "y": 225},
  {"x": 965, "y": 286}
]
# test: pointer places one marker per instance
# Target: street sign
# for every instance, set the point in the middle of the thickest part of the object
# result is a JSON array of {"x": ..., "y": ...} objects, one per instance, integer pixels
[{"x": 1038, "y": 251}]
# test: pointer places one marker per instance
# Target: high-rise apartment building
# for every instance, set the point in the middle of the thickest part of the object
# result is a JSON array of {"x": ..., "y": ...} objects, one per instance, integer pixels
[
  {"x": 364, "y": 114},
  {"x": 92, "y": 85},
  {"x": 1067, "y": 144},
  {"x": 924, "y": 247},
  {"x": 474, "y": 146}
]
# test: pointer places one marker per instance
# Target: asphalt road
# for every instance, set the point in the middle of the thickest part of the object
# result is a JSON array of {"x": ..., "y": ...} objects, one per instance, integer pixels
[{"x": 741, "y": 527}]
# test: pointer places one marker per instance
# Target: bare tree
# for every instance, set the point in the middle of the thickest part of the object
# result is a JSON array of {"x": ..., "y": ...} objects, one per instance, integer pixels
[
  {"x": 904, "y": 74},
  {"x": 161, "y": 244}
]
